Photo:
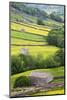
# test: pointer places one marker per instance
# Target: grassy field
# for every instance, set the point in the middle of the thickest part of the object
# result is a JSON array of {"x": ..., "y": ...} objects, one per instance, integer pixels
[
  {"x": 51, "y": 92},
  {"x": 35, "y": 26},
  {"x": 54, "y": 71},
  {"x": 16, "y": 16},
  {"x": 28, "y": 29},
  {"x": 29, "y": 36},
  {"x": 25, "y": 42},
  {"x": 52, "y": 23},
  {"x": 46, "y": 51}
]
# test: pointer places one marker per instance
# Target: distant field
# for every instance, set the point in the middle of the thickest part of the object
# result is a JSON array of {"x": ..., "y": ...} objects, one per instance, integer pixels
[
  {"x": 16, "y": 16},
  {"x": 48, "y": 23},
  {"x": 52, "y": 23},
  {"x": 54, "y": 71},
  {"x": 23, "y": 16},
  {"x": 28, "y": 29},
  {"x": 46, "y": 51},
  {"x": 35, "y": 26}
]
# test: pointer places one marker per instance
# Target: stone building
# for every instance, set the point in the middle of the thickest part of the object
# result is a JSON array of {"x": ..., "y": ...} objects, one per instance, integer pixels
[
  {"x": 40, "y": 78},
  {"x": 24, "y": 51}
]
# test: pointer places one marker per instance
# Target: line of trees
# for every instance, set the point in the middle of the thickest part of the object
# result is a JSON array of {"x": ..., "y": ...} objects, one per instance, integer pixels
[{"x": 23, "y": 63}]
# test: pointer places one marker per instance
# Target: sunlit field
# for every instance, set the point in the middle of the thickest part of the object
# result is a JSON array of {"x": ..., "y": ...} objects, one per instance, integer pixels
[
  {"x": 46, "y": 51},
  {"x": 28, "y": 36},
  {"x": 26, "y": 42},
  {"x": 28, "y": 29}
]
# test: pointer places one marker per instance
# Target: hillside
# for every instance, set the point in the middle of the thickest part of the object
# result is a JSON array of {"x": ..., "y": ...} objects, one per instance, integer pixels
[
  {"x": 37, "y": 46},
  {"x": 32, "y": 13}
]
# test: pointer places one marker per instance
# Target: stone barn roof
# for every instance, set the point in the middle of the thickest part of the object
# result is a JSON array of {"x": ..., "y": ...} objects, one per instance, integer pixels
[
  {"x": 40, "y": 78},
  {"x": 24, "y": 51}
]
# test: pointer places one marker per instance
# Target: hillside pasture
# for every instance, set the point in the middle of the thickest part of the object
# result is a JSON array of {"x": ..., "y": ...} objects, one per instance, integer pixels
[
  {"x": 20, "y": 27},
  {"x": 27, "y": 19},
  {"x": 35, "y": 26},
  {"x": 28, "y": 36},
  {"x": 46, "y": 51},
  {"x": 26, "y": 42},
  {"x": 16, "y": 16},
  {"x": 52, "y": 23}
]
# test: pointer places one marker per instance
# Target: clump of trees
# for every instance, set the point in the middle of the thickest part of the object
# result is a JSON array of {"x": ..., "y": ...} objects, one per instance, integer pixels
[
  {"x": 56, "y": 37},
  {"x": 56, "y": 60},
  {"x": 59, "y": 57},
  {"x": 22, "y": 81}
]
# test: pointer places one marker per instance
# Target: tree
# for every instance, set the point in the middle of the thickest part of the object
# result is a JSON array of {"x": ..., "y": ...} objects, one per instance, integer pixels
[
  {"x": 17, "y": 65},
  {"x": 56, "y": 37},
  {"x": 22, "y": 81},
  {"x": 51, "y": 62},
  {"x": 56, "y": 60},
  {"x": 40, "y": 22},
  {"x": 59, "y": 57}
]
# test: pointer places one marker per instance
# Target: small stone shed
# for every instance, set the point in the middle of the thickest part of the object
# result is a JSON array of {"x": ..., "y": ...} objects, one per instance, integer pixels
[
  {"x": 40, "y": 78},
  {"x": 24, "y": 51}
]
